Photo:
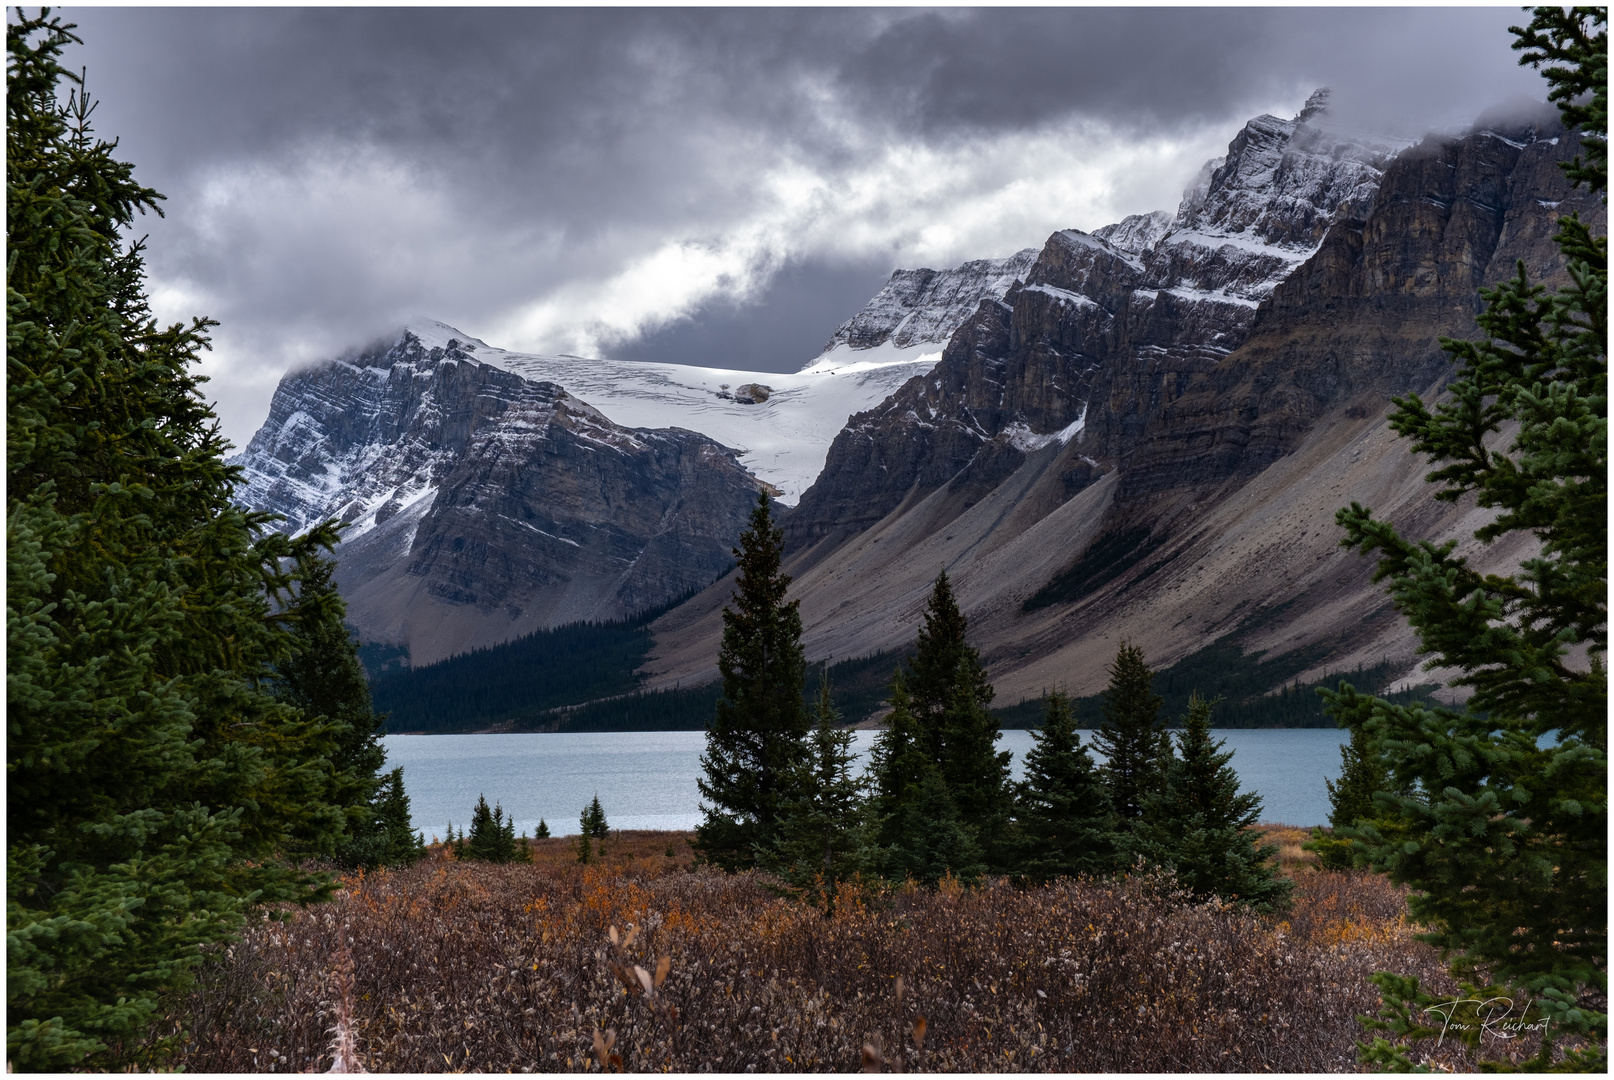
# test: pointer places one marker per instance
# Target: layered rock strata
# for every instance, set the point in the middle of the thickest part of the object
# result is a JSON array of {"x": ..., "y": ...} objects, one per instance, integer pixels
[
  {"x": 1143, "y": 292},
  {"x": 1188, "y": 410},
  {"x": 482, "y": 505}
]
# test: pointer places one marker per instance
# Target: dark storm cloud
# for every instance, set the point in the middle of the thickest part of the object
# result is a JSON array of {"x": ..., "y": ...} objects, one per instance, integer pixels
[
  {"x": 330, "y": 171},
  {"x": 574, "y": 91},
  {"x": 1180, "y": 67},
  {"x": 790, "y": 319}
]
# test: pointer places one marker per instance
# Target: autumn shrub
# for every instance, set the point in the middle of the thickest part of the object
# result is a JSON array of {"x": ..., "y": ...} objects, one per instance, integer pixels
[{"x": 478, "y": 967}]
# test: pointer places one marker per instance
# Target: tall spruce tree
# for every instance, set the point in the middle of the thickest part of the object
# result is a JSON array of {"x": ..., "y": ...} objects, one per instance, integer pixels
[
  {"x": 1362, "y": 775},
  {"x": 823, "y": 835},
  {"x": 1201, "y": 825},
  {"x": 755, "y": 742},
  {"x": 155, "y": 786},
  {"x": 951, "y": 703},
  {"x": 1132, "y": 736},
  {"x": 897, "y": 766},
  {"x": 940, "y": 655},
  {"x": 1066, "y": 825},
  {"x": 917, "y": 828},
  {"x": 325, "y": 681},
  {"x": 1500, "y": 824}
]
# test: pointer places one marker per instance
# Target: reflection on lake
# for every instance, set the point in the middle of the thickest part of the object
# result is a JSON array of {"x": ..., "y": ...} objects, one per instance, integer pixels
[{"x": 646, "y": 780}]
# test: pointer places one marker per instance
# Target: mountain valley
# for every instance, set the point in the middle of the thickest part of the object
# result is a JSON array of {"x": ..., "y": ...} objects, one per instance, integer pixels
[{"x": 1140, "y": 432}]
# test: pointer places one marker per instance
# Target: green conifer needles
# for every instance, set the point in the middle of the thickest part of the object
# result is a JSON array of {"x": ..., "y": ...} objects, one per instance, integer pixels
[
  {"x": 1132, "y": 737},
  {"x": 942, "y": 798},
  {"x": 1362, "y": 775},
  {"x": 1201, "y": 825},
  {"x": 1497, "y": 812},
  {"x": 754, "y": 745},
  {"x": 155, "y": 786},
  {"x": 492, "y": 837},
  {"x": 1067, "y": 828},
  {"x": 823, "y": 838}
]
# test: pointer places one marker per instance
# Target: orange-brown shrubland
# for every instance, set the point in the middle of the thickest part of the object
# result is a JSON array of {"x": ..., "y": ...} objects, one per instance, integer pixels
[{"x": 476, "y": 967}]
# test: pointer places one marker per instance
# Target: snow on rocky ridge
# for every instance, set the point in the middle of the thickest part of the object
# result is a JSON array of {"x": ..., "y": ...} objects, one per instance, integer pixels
[
  {"x": 1245, "y": 223},
  {"x": 782, "y": 440}
]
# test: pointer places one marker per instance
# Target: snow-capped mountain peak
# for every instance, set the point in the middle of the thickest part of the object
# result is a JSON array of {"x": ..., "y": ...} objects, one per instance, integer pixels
[{"x": 924, "y": 306}]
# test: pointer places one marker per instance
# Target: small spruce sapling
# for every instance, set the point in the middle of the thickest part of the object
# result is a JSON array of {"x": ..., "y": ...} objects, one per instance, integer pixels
[
  {"x": 594, "y": 815},
  {"x": 823, "y": 832},
  {"x": 585, "y": 841},
  {"x": 492, "y": 837}
]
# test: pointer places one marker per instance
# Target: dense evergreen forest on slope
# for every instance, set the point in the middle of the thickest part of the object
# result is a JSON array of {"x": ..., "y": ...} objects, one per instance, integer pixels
[
  {"x": 1243, "y": 682},
  {"x": 580, "y": 677},
  {"x": 528, "y": 676}
]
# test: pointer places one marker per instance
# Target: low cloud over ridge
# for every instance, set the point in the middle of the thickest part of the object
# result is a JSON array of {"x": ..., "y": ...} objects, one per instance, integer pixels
[{"x": 692, "y": 185}]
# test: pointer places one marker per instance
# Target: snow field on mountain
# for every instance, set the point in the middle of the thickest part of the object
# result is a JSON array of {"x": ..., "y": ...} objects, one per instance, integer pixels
[{"x": 783, "y": 440}]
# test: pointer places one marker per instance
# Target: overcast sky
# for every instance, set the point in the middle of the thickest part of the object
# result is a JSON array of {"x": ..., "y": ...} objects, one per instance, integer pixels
[{"x": 715, "y": 186}]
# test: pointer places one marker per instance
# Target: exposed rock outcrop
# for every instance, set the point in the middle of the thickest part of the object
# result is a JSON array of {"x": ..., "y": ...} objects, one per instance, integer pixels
[
  {"x": 919, "y": 306},
  {"x": 1191, "y": 402},
  {"x": 1149, "y": 291},
  {"x": 483, "y": 505}
]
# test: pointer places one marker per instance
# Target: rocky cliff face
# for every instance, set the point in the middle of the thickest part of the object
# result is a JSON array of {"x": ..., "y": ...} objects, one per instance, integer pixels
[
  {"x": 1148, "y": 438},
  {"x": 483, "y": 505},
  {"x": 1358, "y": 322},
  {"x": 925, "y": 306},
  {"x": 485, "y": 501},
  {"x": 1153, "y": 289}
]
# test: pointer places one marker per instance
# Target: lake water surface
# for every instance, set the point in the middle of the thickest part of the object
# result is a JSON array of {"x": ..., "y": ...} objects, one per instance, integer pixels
[{"x": 646, "y": 780}]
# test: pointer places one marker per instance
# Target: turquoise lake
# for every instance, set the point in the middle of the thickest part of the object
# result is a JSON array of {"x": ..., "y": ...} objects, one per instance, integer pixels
[{"x": 646, "y": 780}]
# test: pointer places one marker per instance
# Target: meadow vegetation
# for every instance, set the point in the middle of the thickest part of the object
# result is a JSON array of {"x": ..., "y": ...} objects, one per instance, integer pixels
[{"x": 462, "y": 966}]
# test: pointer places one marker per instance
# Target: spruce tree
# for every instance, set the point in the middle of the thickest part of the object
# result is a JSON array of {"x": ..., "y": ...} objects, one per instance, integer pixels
[
  {"x": 951, "y": 703},
  {"x": 897, "y": 766},
  {"x": 939, "y": 656},
  {"x": 155, "y": 787},
  {"x": 594, "y": 823},
  {"x": 542, "y": 832},
  {"x": 933, "y": 838},
  {"x": 394, "y": 840},
  {"x": 823, "y": 837},
  {"x": 325, "y": 681},
  {"x": 1500, "y": 821},
  {"x": 755, "y": 742},
  {"x": 1132, "y": 736},
  {"x": 585, "y": 838},
  {"x": 1351, "y": 801},
  {"x": 492, "y": 838},
  {"x": 1201, "y": 825},
  {"x": 1066, "y": 826}
]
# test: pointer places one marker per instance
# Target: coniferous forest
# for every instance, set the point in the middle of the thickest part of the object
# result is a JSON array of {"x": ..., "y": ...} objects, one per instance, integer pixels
[
  {"x": 208, "y": 867},
  {"x": 581, "y": 677},
  {"x": 187, "y": 722}
]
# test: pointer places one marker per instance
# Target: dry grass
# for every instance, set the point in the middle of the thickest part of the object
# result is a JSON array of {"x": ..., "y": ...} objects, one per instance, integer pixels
[{"x": 512, "y": 968}]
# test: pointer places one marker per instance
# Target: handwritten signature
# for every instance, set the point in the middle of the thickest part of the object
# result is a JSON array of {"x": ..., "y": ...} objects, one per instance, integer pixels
[{"x": 1495, "y": 1017}]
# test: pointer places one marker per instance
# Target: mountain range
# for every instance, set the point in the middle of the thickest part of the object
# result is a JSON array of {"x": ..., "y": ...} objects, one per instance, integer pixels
[{"x": 1140, "y": 432}]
